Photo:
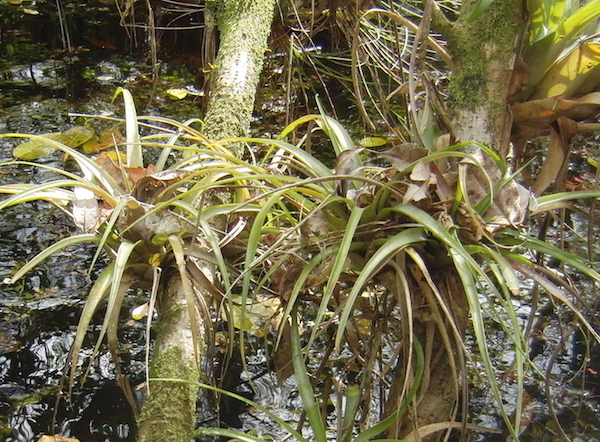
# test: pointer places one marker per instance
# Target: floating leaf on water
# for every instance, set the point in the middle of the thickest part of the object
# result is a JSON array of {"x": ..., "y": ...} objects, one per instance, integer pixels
[
  {"x": 107, "y": 138},
  {"x": 76, "y": 136},
  {"x": 34, "y": 149},
  {"x": 177, "y": 93},
  {"x": 372, "y": 142}
]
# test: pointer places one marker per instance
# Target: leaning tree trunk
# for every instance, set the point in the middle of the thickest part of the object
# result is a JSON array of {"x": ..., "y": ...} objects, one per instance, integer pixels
[
  {"x": 169, "y": 413},
  {"x": 244, "y": 26},
  {"x": 484, "y": 52},
  {"x": 170, "y": 409}
]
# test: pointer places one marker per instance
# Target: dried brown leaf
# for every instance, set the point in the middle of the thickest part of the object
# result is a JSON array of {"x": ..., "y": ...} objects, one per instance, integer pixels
[
  {"x": 402, "y": 155},
  {"x": 561, "y": 137},
  {"x": 422, "y": 172},
  {"x": 533, "y": 118}
]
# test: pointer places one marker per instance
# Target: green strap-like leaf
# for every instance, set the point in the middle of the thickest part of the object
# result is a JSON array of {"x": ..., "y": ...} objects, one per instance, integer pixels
[
  {"x": 134, "y": 148},
  {"x": 479, "y": 9},
  {"x": 468, "y": 274},
  {"x": 118, "y": 286},
  {"x": 338, "y": 265},
  {"x": 44, "y": 254},
  {"x": 311, "y": 407},
  {"x": 380, "y": 258},
  {"x": 97, "y": 294}
]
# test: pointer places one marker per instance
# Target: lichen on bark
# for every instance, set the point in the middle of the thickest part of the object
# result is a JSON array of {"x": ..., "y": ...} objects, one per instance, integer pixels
[{"x": 243, "y": 29}]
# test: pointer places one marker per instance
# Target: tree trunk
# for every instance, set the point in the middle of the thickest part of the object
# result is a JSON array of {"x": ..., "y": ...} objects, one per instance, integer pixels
[
  {"x": 244, "y": 27},
  {"x": 169, "y": 414},
  {"x": 484, "y": 52},
  {"x": 170, "y": 410}
]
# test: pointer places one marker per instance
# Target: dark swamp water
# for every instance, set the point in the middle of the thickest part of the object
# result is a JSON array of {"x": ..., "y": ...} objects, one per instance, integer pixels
[{"x": 39, "y": 314}]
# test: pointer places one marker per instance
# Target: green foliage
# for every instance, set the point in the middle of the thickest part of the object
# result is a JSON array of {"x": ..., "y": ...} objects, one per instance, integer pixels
[
  {"x": 558, "y": 29},
  {"x": 337, "y": 246}
]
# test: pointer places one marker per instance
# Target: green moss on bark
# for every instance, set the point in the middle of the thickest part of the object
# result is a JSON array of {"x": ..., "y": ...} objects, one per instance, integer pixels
[
  {"x": 171, "y": 403},
  {"x": 244, "y": 28},
  {"x": 169, "y": 413},
  {"x": 484, "y": 52},
  {"x": 479, "y": 46}
]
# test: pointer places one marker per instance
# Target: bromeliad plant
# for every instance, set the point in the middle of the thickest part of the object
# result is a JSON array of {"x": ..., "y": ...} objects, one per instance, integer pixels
[
  {"x": 144, "y": 219},
  {"x": 371, "y": 255}
]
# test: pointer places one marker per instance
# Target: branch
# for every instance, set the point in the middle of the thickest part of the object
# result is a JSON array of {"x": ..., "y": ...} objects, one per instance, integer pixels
[{"x": 439, "y": 21}]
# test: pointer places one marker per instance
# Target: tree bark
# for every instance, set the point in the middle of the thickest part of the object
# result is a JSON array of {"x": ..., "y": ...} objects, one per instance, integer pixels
[
  {"x": 170, "y": 410},
  {"x": 484, "y": 53},
  {"x": 244, "y": 27}
]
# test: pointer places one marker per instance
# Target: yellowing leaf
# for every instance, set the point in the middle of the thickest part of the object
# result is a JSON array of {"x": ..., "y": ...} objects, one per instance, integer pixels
[
  {"x": 34, "y": 149},
  {"x": 546, "y": 16},
  {"x": 372, "y": 142},
  {"x": 177, "y": 93},
  {"x": 577, "y": 73}
]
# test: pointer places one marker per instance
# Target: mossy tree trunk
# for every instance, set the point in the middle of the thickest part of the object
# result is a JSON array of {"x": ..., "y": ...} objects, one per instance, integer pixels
[
  {"x": 484, "y": 52},
  {"x": 170, "y": 409},
  {"x": 169, "y": 414},
  {"x": 244, "y": 26}
]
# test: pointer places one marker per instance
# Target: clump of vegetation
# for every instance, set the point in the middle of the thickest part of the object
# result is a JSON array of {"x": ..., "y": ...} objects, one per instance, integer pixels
[
  {"x": 356, "y": 249},
  {"x": 365, "y": 278}
]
